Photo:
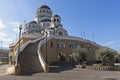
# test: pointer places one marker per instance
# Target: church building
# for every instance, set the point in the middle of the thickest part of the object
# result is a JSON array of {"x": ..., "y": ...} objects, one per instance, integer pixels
[{"x": 44, "y": 39}]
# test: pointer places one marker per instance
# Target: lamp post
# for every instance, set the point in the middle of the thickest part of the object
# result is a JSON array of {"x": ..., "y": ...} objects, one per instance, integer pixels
[
  {"x": 46, "y": 48},
  {"x": 17, "y": 67},
  {"x": 20, "y": 28}
]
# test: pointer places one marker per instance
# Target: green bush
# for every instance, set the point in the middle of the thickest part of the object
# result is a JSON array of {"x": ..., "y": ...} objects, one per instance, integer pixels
[
  {"x": 79, "y": 55},
  {"x": 105, "y": 55}
]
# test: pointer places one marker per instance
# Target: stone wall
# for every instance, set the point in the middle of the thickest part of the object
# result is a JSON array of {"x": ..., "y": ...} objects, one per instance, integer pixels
[{"x": 53, "y": 50}]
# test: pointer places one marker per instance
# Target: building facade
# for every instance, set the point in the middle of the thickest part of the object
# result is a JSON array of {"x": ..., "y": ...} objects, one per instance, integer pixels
[{"x": 43, "y": 40}]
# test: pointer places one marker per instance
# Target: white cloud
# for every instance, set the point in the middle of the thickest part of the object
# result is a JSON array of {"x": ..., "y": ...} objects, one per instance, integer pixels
[
  {"x": 16, "y": 30},
  {"x": 5, "y": 39},
  {"x": 15, "y": 26},
  {"x": 2, "y": 25},
  {"x": 2, "y": 36},
  {"x": 109, "y": 43}
]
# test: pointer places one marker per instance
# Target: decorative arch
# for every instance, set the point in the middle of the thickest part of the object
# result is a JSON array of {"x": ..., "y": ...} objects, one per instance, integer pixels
[
  {"x": 61, "y": 56},
  {"x": 60, "y": 33}
]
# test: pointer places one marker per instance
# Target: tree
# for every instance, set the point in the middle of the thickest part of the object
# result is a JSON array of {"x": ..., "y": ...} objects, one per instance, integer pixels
[
  {"x": 117, "y": 58},
  {"x": 105, "y": 55},
  {"x": 79, "y": 55}
]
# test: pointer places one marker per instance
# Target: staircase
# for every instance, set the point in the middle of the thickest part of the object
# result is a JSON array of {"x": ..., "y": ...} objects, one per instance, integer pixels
[{"x": 28, "y": 59}]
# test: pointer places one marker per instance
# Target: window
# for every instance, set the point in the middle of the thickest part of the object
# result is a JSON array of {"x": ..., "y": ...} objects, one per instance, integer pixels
[
  {"x": 54, "y": 20},
  {"x": 51, "y": 44},
  {"x": 60, "y": 33},
  {"x": 73, "y": 44},
  {"x": 88, "y": 47},
  {"x": 46, "y": 11},
  {"x": 47, "y": 24},
  {"x": 58, "y": 20},
  {"x": 43, "y": 24},
  {"x": 43, "y": 10},
  {"x": 60, "y": 45},
  {"x": 40, "y": 11}
]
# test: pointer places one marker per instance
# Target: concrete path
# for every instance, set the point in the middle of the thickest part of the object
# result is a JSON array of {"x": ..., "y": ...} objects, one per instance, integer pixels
[
  {"x": 67, "y": 73},
  {"x": 3, "y": 69}
]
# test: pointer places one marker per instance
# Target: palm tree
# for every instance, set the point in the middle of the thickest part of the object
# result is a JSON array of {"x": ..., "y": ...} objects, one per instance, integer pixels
[{"x": 79, "y": 55}]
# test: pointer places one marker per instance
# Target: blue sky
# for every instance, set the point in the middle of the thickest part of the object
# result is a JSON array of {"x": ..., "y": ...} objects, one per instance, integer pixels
[{"x": 98, "y": 17}]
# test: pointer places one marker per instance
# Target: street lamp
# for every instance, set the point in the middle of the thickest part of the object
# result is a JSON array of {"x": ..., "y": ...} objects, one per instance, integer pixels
[
  {"x": 20, "y": 28},
  {"x": 46, "y": 47},
  {"x": 17, "y": 66}
]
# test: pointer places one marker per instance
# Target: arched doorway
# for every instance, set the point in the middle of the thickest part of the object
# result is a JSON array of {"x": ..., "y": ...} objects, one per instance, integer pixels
[{"x": 61, "y": 57}]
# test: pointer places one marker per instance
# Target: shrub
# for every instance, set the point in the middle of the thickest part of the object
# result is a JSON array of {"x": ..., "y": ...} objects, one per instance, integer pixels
[
  {"x": 79, "y": 55},
  {"x": 105, "y": 55}
]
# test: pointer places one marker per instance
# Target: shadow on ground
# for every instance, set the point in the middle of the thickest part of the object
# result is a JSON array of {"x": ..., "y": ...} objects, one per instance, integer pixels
[
  {"x": 110, "y": 79},
  {"x": 59, "y": 67}
]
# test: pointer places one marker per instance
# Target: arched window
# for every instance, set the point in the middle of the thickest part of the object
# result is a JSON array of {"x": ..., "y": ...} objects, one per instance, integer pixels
[
  {"x": 60, "y": 33},
  {"x": 58, "y": 20},
  {"x": 43, "y": 10},
  {"x": 40, "y": 11},
  {"x": 61, "y": 57},
  {"x": 59, "y": 45},
  {"x": 54, "y": 20},
  {"x": 47, "y": 24},
  {"x": 43, "y": 24},
  {"x": 46, "y": 11},
  {"x": 88, "y": 47}
]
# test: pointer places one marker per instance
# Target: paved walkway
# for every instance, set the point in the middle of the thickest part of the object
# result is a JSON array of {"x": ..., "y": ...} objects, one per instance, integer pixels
[
  {"x": 3, "y": 69},
  {"x": 67, "y": 73}
]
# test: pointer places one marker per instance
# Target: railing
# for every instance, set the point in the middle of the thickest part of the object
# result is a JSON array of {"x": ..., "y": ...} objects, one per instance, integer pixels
[
  {"x": 42, "y": 61},
  {"x": 23, "y": 47}
]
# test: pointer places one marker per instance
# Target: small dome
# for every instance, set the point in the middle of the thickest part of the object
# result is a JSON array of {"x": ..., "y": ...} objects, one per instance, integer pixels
[
  {"x": 33, "y": 22},
  {"x": 56, "y": 15},
  {"x": 45, "y": 6}
]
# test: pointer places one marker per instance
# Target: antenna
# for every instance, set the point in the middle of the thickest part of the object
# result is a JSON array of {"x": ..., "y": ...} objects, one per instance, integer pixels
[
  {"x": 81, "y": 35},
  {"x": 24, "y": 25},
  {"x": 84, "y": 35},
  {"x": 93, "y": 37}
]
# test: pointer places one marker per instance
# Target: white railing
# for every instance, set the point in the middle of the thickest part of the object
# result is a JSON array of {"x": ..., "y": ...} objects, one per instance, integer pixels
[{"x": 42, "y": 61}]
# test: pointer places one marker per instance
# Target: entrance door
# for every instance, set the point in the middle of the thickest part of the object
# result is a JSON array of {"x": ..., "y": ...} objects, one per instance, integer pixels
[{"x": 61, "y": 57}]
